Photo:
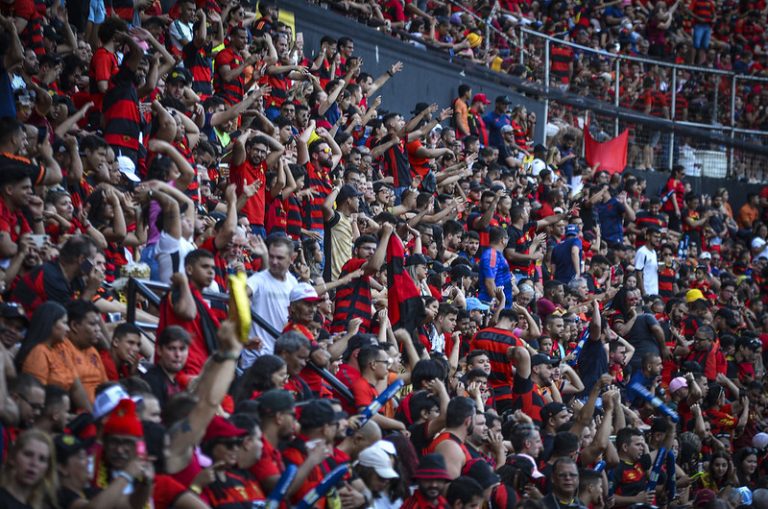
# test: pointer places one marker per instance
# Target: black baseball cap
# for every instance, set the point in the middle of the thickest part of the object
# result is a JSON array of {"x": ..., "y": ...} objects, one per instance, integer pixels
[
  {"x": 416, "y": 259},
  {"x": 275, "y": 401},
  {"x": 67, "y": 446},
  {"x": 504, "y": 99},
  {"x": 541, "y": 358},
  {"x": 13, "y": 311},
  {"x": 358, "y": 341},
  {"x": 317, "y": 413},
  {"x": 347, "y": 191}
]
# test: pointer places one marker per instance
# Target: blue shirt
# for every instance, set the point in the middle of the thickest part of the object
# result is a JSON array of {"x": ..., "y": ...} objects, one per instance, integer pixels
[
  {"x": 494, "y": 266},
  {"x": 7, "y": 103},
  {"x": 611, "y": 215},
  {"x": 494, "y": 122},
  {"x": 561, "y": 257}
]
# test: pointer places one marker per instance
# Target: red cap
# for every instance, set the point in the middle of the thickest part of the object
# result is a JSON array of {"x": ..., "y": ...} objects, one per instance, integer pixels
[
  {"x": 220, "y": 428},
  {"x": 482, "y": 98},
  {"x": 124, "y": 421}
]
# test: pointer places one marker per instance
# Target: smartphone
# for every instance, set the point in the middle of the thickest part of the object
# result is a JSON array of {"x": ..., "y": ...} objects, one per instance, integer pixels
[
  {"x": 42, "y": 134},
  {"x": 141, "y": 449},
  {"x": 39, "y": 240},
  {"x": 86, "y": 267}
]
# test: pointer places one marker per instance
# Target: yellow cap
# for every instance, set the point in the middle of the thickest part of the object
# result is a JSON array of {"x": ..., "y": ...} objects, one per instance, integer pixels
[
  {"x": 474, "y": 40},
  {"x": 693, "y": 295}
]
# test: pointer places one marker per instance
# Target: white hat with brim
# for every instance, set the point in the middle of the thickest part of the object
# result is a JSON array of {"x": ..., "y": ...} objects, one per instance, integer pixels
[{"x": 375, "y": 458}]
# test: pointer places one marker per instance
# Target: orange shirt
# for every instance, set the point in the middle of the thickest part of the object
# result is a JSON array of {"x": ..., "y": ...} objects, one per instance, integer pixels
[
  {"x": 747, "y": 215},
  {"x": 51, "y": 365},
  {"x": 89, "y": 368}
]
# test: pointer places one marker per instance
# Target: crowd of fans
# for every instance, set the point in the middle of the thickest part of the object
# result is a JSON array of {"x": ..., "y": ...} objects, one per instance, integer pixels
[
  {"x": 566, "y": 337},
  {"x": 726, "y": 36}
]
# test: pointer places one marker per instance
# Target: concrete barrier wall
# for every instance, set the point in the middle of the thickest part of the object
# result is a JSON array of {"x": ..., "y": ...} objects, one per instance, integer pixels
[{"x": 427, "y": 76}]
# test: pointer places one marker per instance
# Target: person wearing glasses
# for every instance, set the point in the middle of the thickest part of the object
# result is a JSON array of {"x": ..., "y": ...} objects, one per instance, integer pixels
[
  {"x": 565, "y": 486},
  {"x": 374, "y": 365}
]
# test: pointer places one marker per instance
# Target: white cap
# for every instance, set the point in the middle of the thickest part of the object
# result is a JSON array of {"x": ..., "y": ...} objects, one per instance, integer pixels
[
  {"x": 386, "y": 446},
  {"x": 303, "y": 291},
  {"x": 375, "y": 458},
  {"x": 705, "y": 255},
  {"x": 127, "y": 168},
  {"x": 760, "y": 441},
  {"x": 758, "y": 242},
  {"x": 107, "y": 400}
]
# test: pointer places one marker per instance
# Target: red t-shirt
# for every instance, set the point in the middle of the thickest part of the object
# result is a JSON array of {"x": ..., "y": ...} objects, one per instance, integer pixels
[
  {"x": 246, "y": 172},
  {"x": 13, "y": 222},
  {"x": 103, "y": 67},
  {"x": 364, "y": 392}
]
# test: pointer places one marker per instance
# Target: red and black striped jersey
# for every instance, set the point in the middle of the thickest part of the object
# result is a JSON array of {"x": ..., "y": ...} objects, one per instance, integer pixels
[
  {"x": 122, "y": 122},
  {"x": 320, "y": 183},
  {"x": 231, "y": 91},
  {"x": 520, "y": 241},
  {"x": 497, "y": 343},
  {"x": 353, "y": 300},
  {"x": 199, "y": 62}
]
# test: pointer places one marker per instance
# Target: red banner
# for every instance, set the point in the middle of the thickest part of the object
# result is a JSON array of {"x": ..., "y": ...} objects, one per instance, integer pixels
[{"x": 611, "y": 154}]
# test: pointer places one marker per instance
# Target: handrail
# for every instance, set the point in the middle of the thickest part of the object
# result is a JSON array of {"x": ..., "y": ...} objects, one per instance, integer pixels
[
  {"x": 147, "y": 288},
  {"x": 607, "y": 54}
]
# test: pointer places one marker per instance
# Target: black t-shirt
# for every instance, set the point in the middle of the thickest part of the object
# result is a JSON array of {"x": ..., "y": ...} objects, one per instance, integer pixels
[
  {"x": 8, "y": 501},
  {"x": 631, "y": 479},
  {"x": 419, "y": 436},
  {"x": 67, "y": 497}
]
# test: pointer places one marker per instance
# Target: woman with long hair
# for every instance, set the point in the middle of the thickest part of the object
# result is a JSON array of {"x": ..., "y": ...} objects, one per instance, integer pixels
[
  {"x": 46, "y": 354},
  {"x": 745, "y": 461},
  {"x": 267, "y": 372},
  {"x": 28, "y": 478},
  {"x": 719, "y": 474}
]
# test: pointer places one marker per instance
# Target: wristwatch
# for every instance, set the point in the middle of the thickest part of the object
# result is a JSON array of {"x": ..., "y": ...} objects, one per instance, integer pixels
[{"x": 220, "y": 356}]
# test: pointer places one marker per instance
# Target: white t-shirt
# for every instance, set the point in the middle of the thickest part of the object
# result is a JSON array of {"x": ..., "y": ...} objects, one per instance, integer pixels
[
  {"x": 269, "y": 299},
  {"x": 646, "y": 260},
  {"x": 170, "y": 254}
]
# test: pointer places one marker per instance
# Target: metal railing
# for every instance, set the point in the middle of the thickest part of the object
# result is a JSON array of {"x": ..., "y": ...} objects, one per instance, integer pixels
[
  {"x": 152, "y": 291},
  {"x": 720, "y": 113}
]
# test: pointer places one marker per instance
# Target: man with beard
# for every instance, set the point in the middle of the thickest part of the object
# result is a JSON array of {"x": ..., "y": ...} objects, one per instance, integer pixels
[
  {"x": 120, "y": 459},
  {"x": 319, "y": 423},
  {"x": 172, "y": 352},
  {"x": 353, "y": 300},
  {"x": 475, "y": 118},
  {"x": 278, "y": 422},
  {"x": 184, "y": 306},
  {"x": 533, "y": 373},
  {"x": 565, "y": 486},
  {"x": 648, "y": 376},
  {"x": 432, "y": 478},
  {"x": 252, "y": 156},
  {"x": 459, "y": 424},
  {"x": 61, "y": 280},
  {"x": 484, "y": 443},
  {"x": 230, "y": 63},
  {"x": 56, "y": 415},
  {"x": 323, "y": 156},
  {"x": 340, "y": 227}
]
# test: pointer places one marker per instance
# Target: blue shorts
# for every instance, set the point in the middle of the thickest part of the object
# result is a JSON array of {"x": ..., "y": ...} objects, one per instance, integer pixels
[{"x": 701, "y": 34}]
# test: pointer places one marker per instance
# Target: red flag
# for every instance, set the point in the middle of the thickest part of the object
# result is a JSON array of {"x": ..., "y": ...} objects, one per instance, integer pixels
[
  {"x": 406, "y": 309},
  {"x": 611, "y": 154}
]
